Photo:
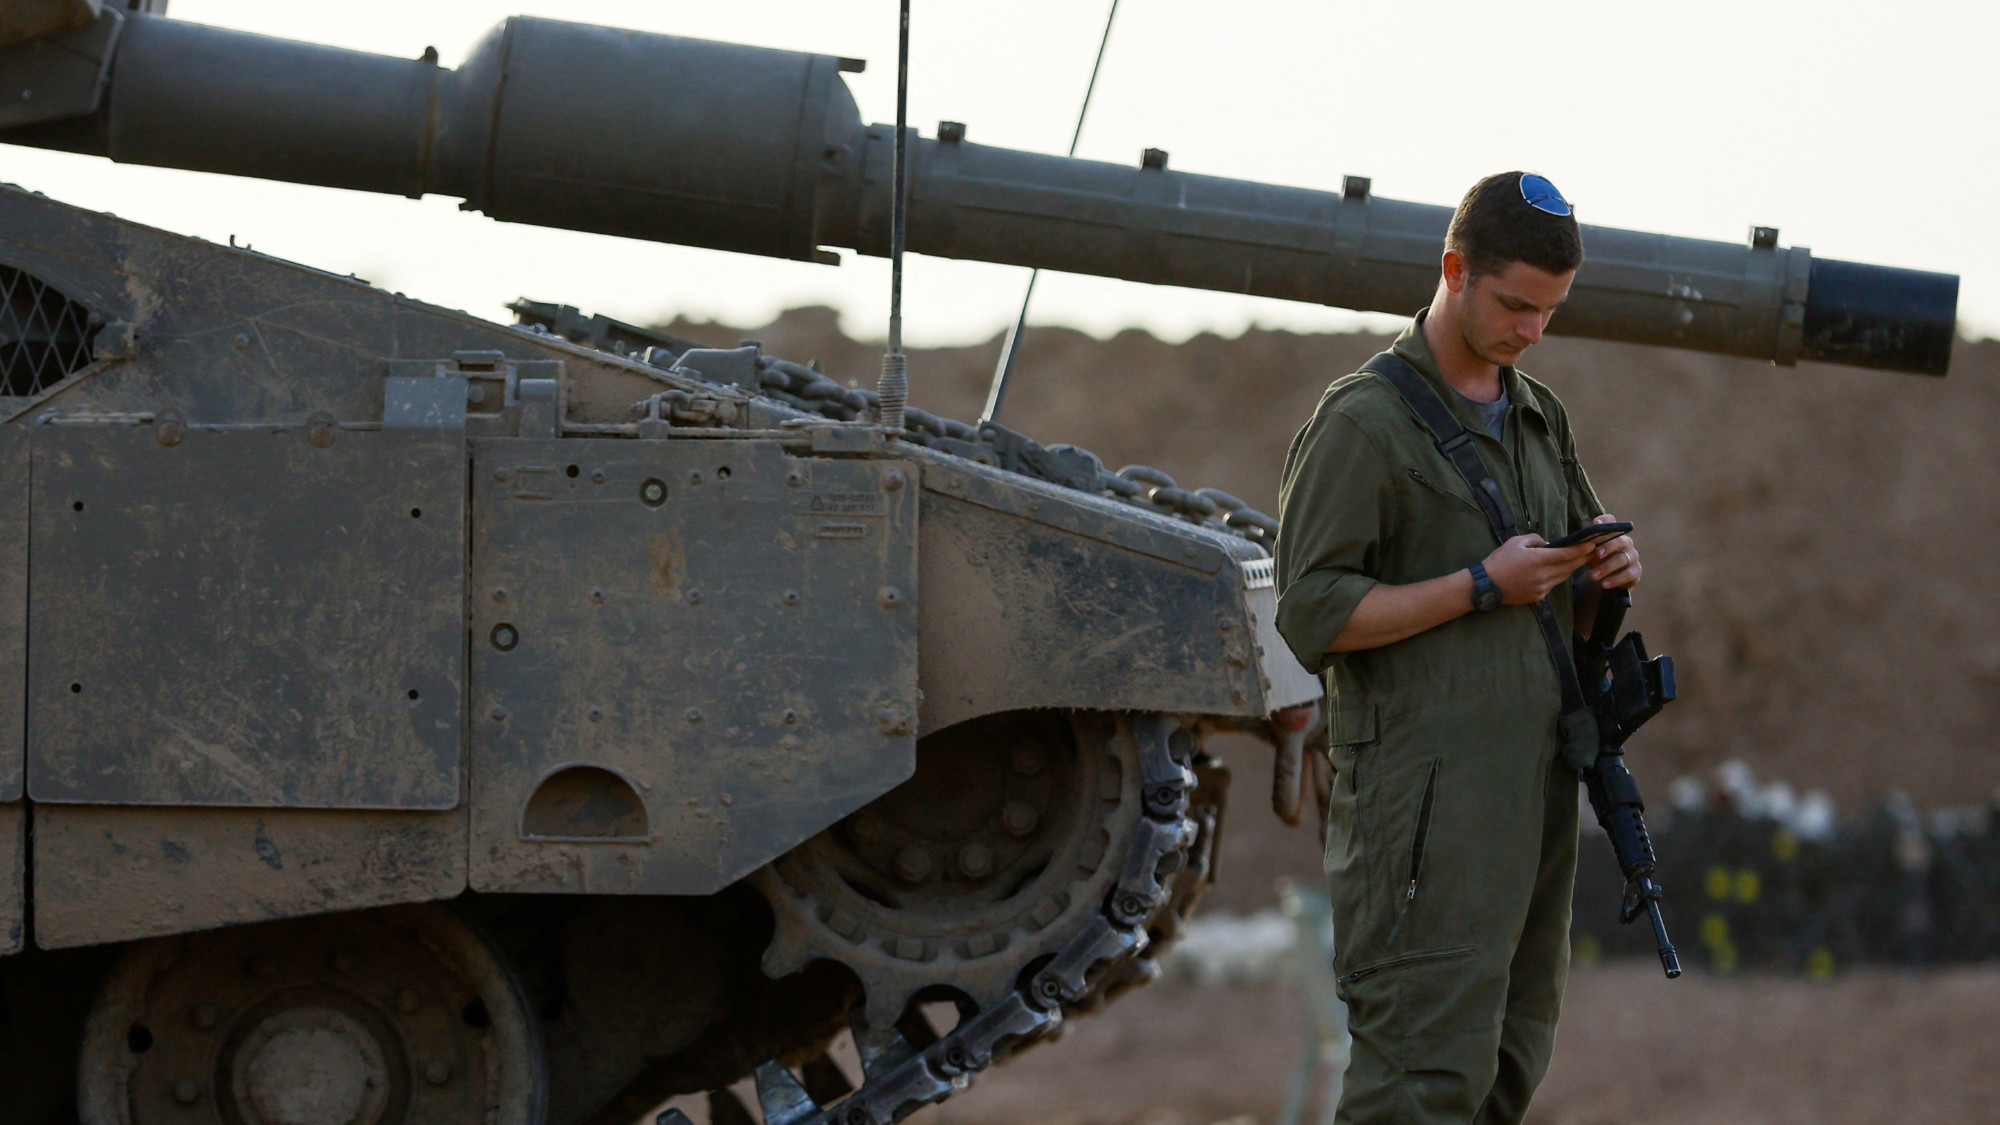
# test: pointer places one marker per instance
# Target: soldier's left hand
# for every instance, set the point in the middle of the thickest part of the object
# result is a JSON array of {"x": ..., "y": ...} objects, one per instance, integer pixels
[{"x": 1615, "y": 563}]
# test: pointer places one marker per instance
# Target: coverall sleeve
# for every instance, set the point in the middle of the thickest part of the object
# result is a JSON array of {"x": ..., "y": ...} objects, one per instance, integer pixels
[{"x": 1336, "y": 505}]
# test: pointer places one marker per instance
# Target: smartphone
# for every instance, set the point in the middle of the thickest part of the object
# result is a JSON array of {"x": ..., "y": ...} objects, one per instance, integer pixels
[{"x": 1591, "y": 533}]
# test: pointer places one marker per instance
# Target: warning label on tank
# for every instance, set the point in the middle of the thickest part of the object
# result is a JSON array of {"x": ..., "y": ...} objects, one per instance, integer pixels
[{"x": 839, "y": 503}]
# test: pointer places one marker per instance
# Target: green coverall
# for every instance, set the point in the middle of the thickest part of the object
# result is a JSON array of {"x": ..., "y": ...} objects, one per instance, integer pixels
[{"x": 1451, "y": 844}]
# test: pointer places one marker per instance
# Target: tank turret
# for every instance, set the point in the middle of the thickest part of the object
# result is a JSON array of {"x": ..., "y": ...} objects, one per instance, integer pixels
[{"x": 765, "y": 152}]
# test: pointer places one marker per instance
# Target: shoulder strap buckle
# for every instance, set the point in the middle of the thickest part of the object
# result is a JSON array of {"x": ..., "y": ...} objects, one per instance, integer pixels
[{"x": 1450, "y": 448}]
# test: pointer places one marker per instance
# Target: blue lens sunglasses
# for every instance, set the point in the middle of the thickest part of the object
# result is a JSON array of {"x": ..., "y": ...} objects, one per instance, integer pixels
[{"x": 1539, "y": 193}]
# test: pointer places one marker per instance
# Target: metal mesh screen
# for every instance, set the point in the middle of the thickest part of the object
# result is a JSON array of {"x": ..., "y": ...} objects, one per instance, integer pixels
[{"x": 44, "y": 335}]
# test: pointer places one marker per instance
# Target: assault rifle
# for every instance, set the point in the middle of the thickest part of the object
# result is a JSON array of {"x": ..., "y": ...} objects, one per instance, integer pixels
[{"x": 1624, "y": 688}]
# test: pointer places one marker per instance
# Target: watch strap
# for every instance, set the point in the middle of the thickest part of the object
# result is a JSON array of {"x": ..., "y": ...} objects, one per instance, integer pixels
[{"x": 1485, "y": 592}]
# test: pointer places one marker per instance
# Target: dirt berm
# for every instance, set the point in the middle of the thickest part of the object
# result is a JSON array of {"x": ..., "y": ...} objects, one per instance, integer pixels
[{"x": 1821, "y": 543}]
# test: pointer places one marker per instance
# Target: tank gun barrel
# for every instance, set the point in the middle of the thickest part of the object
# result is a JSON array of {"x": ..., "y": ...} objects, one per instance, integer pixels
[{"x": 764, "y": 152}]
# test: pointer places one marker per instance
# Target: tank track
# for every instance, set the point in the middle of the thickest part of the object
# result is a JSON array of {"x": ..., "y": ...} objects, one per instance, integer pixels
[{"x": 1164, "y": 867}]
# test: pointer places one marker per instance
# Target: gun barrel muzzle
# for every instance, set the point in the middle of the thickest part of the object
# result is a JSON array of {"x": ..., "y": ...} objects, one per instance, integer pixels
[{"x": 1880, "y": 316}]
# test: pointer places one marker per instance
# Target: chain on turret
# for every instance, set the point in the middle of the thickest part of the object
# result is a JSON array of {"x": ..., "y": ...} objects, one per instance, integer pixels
[{"x": 802, "y": 387}]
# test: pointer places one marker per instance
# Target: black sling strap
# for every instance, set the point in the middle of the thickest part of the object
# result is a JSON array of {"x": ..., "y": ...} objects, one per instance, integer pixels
[{"x": 1455, "y": 442}]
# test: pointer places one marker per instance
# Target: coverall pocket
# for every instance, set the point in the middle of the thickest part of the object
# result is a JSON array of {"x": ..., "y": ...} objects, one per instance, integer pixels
[
  {"x": 1423, "y": 831},
  {"x": 1392, "y": 797},
  {"x": 1352, "y": 724},
  {"x": 1350, "y": 729},
  {"x": 1467, "y": 502},
  {"x": 1426, "y": 1036},
  {"x": 1412, "y": 958}
]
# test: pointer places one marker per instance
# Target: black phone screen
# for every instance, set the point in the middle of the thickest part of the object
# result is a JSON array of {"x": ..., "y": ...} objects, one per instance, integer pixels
[{"x": 1592, "y": 533}]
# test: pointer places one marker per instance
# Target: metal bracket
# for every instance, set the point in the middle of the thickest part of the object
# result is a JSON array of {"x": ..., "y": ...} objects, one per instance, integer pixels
[
  {"x": 659, "y": 413},
  {"x": 116, "y": 340},
  {"x": 539, "y": 406},
  {"x": 734, "y": 366},
  {"x": 1065, "y": 465},
  {"x": 60, "y": 77},
  {"x": 829, "y": 436},
  {"x": 421, "y": 403},
  {"x": 491, "y": 397}
]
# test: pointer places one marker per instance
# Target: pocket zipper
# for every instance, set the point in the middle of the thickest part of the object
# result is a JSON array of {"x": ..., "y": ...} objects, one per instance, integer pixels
[
  {"x": 1423, "y": 831},
  {"x": 1406, "y": 959},
  {"x": 1441, "y": 490}
]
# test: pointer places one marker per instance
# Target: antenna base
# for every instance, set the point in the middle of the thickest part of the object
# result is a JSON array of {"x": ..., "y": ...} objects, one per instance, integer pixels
[{"x": 893, "y": 390}]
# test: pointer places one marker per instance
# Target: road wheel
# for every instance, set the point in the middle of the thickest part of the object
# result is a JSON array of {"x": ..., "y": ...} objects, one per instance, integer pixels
[{"x": 379, "y": 1017}]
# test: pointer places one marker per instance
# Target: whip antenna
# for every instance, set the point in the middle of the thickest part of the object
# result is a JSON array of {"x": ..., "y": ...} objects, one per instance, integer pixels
[
  {"x": 1000, "y": 370},
  {"x": 893, "y": 389}
]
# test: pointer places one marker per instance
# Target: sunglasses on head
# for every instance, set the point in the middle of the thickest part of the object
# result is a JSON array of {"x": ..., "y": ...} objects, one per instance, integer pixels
[{"x": 1539, "y": 193}]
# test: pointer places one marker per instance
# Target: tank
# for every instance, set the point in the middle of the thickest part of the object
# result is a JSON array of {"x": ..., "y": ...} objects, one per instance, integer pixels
[{"x": 407, "y": 717}]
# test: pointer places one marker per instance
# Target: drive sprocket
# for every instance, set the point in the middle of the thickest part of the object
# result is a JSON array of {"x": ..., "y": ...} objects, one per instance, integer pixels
[
  {"x": 999, "y": 849},
  {"x": 1062, "y": 921}
]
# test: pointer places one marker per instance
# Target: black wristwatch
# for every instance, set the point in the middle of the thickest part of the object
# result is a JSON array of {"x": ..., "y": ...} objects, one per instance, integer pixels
[{"x": 1485, "y": 595}]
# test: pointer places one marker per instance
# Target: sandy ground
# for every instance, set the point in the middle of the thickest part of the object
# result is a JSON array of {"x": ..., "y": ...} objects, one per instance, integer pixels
[
  {"x": 1876, "y": 1045},
  {"x": 1871, "y": 1047}
]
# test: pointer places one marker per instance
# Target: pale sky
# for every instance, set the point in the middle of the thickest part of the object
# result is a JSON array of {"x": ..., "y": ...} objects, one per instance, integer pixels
[{"x": 1863, "y": 130}]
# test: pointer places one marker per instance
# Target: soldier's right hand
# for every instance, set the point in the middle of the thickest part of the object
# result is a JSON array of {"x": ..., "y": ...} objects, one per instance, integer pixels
[{"x": 1526, "y": 571}]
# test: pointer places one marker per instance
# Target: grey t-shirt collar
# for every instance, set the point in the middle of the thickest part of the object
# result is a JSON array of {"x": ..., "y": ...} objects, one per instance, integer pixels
[{"x": 1492, "y": 415}]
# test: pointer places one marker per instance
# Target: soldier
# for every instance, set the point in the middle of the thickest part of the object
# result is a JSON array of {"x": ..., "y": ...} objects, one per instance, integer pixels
[{"x": 1452, "y": 836}]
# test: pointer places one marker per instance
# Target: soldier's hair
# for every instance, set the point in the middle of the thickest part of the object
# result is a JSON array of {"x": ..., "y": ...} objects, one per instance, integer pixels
[{"x": 1494, "y": 227}]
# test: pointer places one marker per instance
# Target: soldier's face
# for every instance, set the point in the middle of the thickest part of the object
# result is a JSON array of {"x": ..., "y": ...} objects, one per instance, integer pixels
[{"x": 1504, "y": 314}]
